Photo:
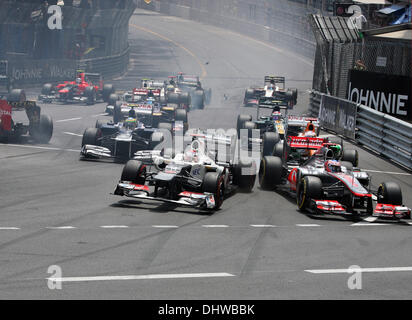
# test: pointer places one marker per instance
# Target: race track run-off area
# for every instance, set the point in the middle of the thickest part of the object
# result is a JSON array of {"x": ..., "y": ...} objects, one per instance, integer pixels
[{"x": 56, "y": 210}]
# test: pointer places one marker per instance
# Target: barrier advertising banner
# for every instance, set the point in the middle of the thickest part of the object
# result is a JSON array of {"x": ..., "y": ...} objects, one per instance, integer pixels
[
  {"x": 338, "y": 115},
  {"x": 386, "y": 93}
]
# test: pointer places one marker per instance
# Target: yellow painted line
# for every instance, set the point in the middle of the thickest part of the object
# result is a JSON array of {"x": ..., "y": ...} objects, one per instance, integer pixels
[{"x": 202, "y": 67}]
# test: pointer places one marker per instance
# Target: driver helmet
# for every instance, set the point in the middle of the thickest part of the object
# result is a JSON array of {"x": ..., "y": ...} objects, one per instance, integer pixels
[
  {"x": 192, "y": 153},
  {"x": 276, "y": 115},
  {"x": 333, "y": 166},
  {"x": 78, "y": 80},
  {"x": 130, "y": 123}
]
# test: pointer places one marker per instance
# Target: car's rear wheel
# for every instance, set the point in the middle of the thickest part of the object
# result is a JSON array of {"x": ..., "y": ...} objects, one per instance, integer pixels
[
  {"x": 117, "y": 112},
  {"x": 270, "y": 172},
  {"x": 309, "y": 187},
  {"x": 134, "y": 171},
  {"x": 351, "y": 156},
  {"x": 44, "y": 131},
  {"x": 181, "y": 115},
  {"x": 244, "y": 175},
  {"x": 278, "y": 150},
  {"x": 108, "y": 89},
  {"x": 47, "y": 89},
  {"x": 269, "y": 141},
  {"x": 17, "y": 95},
  {"x": 113, "y": 98},
  {"x": 90, "y": 93},
  {"x": 213, "y": 182},
  {"x": 198, "y": 99},
  {"x": 99, "y": 124},
  {"x": 241, "y": 119},
  {"x": 390, "y": 193}
]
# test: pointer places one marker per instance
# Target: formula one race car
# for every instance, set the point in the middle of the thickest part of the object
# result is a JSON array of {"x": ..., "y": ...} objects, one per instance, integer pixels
[
  {"x": 191, "y": 84},
  {"x": 272, "y": 127},
  {"x": 270, "y": 89},
  {"x": 88, "y": 88},
  {"x": 121, "y": 140},
  {"x": 40, "y": 126},
  {"x": 193, "y": 178},
  {"x": 324, "y": 185},
  {"x": 150, "y": 113}
]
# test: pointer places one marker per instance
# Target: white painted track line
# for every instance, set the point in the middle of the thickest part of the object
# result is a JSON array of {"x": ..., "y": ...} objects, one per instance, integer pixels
[
  {"x": 73, "y": 134},
  {"x": 387, "y": 172},
  {"x": 308, "y": 225},
  {"x": 215, "y": 226},
  {"x": 142, "y": 277},
  {"x": 66, "y": 120},
  {"x": 334, "y": 271},
  {"x": 160, "y": 226},
  {"x": 61, "y": 228},
  {"x": 363, "y": 224},
  {"x": 114, "y": 227},
  {"x": 262, "y": 226},
  {"x": 9, "y": 228}
]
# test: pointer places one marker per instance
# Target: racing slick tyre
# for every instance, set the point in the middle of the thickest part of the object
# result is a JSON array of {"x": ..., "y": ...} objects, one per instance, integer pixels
[
  {"x": 99, "y": 124},
  {"x": 134, "y": 171},
  {"x": 47, "y": 89},
  {"x": 270, "y": 172},
  {"x": 198, "y": 99},
  {"x": 269, "y": 141},
  {"x": 181, "y": 115},
  {"x": 90, "y": 93},
  {"x": 91, "y": 136},
  {"x": 44, "y": 132},
  {"x": 244, "y": 175},
  {"x": 213, "y": 182},
  {"x": 17, "y": 95},
  {"x": 113, "y": 98},
  {"x": 249, "y": 94},
  {"x": 241, "y": 119},
  {"x": 351, "y": 156},
  {"x": 117, "y": 113},
  {"x": 173, "y": 97},
  {"x": 278, "y": 150},
  {"x": 156, "y": 138},
  {"x": 108, "y": 90},
  {"x": 294, "y": 92},
  {"x": 208, "y": 96},
  {"x": 165, "y": 125},
  {"x": 185, "y": 98},
  {"x": 249, "y": 126},
  {"x": 390, "y": 193},
  {"x": 309, "y": 187}
]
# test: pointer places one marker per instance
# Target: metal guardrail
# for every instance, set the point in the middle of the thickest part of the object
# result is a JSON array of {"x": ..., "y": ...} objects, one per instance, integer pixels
[{"x": 382, "y": 133}]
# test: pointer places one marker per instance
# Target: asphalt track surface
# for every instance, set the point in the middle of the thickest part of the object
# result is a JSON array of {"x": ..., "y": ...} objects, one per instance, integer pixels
[{"x": 57, "y": 210}]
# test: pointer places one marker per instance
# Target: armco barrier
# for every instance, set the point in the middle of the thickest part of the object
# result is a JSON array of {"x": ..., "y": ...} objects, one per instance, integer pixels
[{"x": 382, "y": 133}]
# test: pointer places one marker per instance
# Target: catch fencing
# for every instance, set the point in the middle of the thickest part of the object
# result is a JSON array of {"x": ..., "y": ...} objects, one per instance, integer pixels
[
  {"x": 95, "y": 37},
  {"x": 384, "y": 134},
  {"x": 284, "y": 23}
]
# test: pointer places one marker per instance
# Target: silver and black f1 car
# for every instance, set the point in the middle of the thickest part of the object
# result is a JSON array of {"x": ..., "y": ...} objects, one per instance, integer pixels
[
  {"x": 192, "y": 178},
  {"x": 121, "y": 140}
]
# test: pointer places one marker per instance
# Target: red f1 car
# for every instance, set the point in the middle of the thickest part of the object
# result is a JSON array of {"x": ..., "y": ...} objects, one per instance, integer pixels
[
  {"x": 40, "y": 126},
  {"x": 88, "y": 88}
]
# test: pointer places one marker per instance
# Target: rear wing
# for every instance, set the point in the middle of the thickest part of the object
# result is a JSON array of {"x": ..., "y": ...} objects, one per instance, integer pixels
[
  {"x": 275, "y": 80},
  {"x": 271, "y": 103},
  {"x": 6, "y": 108},
  {"x": 305, "y": 142},
  {"x": 94, "y": 78},
  {"x": 302, "y": 121}
]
